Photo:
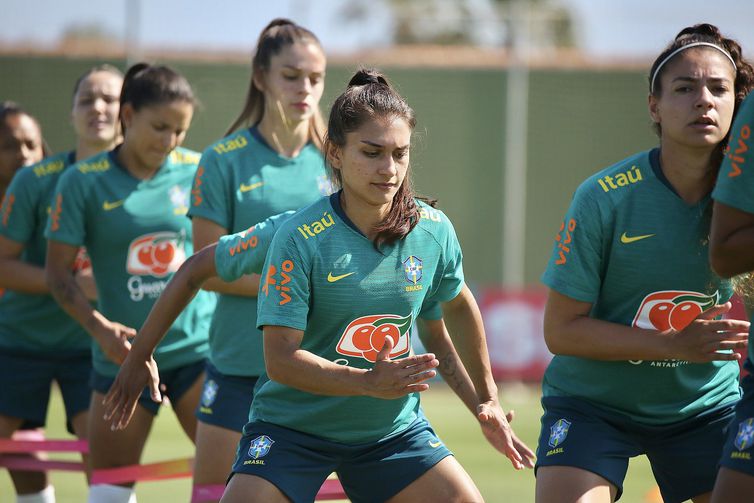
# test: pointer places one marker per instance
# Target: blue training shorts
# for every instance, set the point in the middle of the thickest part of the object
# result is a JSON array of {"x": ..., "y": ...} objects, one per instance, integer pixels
[
  {"x": 27, "y": 378},
  {"x": 683, "y": 455},
  {"x": 175, "y": 381},
  {"x": 298, "y": 463},
  {"x": 737, "y": 453},
  {"x": 226, "y": 399}
]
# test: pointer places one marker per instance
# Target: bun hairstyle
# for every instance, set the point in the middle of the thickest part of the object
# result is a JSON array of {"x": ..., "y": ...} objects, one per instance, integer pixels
[
  {"x": 370, "y": 96},
  {"x": 701, "y": 35},
  {"x": 275, "y": 37},
  {"x": 147, "y": 85}
]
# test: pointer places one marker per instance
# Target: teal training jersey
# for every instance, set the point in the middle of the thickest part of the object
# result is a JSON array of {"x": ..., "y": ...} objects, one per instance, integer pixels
[
  {"x": 241, "y": 181},
  {"x": 244, "y": 252},
  {"x": 137, "y": 235},
  {"x": 35, "y": 322},
  {"x": 631, "y": 247},
  {"x": 324, "y": 277},
  {"x": 735, "y": 182}
]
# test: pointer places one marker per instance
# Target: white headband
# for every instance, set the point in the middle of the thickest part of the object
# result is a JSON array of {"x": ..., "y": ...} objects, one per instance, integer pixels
[{"x": 688, "y": 46}]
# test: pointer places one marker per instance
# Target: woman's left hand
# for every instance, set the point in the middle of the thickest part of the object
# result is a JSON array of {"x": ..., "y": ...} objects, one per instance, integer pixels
[
  {"x": 498, "y": 432},
  {"x": 120, "y": 401}
]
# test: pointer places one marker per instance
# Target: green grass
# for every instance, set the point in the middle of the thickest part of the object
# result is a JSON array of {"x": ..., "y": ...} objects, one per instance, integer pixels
[{"x": 497, "y": 480}]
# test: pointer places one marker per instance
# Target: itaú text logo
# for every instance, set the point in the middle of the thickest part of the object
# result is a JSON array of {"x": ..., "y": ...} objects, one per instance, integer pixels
[
  {"x": 365, "y": 336},
  {"x": 157, "y": 254}
]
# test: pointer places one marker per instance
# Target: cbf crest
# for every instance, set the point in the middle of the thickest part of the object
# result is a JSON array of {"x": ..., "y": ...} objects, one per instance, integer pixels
[
  {"x": 209, "y": 393},
  {"x": 260, "y": 446},
  {"x": 745, "y": 436},
  {"x": 412, "y": 266},
  {"x": 558, "y": 432}
]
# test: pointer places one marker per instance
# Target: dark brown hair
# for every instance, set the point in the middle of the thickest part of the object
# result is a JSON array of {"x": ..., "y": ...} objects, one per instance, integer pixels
[
  {"x": 11, "y": 109},
  {"x": 370, "y": 96},
  {"x": 275, "y": 37},
  {"x": 146, "y": 85},
  {"x": 710, "y": 34}
]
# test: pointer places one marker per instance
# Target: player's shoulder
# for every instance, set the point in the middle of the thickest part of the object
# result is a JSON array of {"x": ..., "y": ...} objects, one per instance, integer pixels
[
  {"x": 91, "y": 167},
  {"x": 617, "y": 181},
  {"x": 432, "y": 220},
  {"x": 229, "y": 146},
  {"x": 48, "y": 167},
  {"x": 184, "y": 157},
  {"x": 310, "y": 224}
]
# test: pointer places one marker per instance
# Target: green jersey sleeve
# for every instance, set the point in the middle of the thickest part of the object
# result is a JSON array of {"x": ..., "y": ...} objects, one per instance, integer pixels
[
  {"x": 431, "y": 311},
  {"x": 68, "y": 210},
  {"x": 735, "y": 181},
  {"x": 449, "y": 278},
  {"x": 285, "y": 290},
  {"x": 575, "y": 266},
  {"x": 244, "y": 252},
  {"x": 209, "y": 197},
  {"x": 18, "y": 214}
]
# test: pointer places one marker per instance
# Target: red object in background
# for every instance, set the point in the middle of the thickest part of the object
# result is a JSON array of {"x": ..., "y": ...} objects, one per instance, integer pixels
[{"x": 513, "y": 321}]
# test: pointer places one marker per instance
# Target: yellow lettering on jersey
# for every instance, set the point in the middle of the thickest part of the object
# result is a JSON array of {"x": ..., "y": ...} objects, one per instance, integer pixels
[
  {"x": 609, "y": 183},
  {"x": 429, "y": 214},
  {"x": 230, "y": 145},
  {"x": 740, "y": 455},
  {"x": 254, "y": 462},
  {"x": 555, "y": 451},
  {"x": 48, "y": 168},
  {"x": 184, "y": 157},
  {"x": 317, "y": 226},
  {"x": 737, "y": 152},
  {"x": 413, "y": 288},
  {"x": 91, "y": 167},
  {"x": 205, "y": 410}
]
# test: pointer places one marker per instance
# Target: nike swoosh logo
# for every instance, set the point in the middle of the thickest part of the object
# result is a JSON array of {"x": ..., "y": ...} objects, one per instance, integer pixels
[
  {"x": 107, "y": 205},
  {"x": 435, "y": 445},
  {"x": 251, "y": 186},
  {"x": 333, "y": 279},
  {"x": 630, "y": 239}
]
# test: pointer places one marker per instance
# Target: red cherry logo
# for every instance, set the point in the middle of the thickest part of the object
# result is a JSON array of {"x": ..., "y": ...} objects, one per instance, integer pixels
[{"x": 659, "y": 315}]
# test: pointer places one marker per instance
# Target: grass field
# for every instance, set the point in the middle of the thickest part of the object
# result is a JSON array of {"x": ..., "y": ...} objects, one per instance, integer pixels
[{"x": 497, "y": 480}]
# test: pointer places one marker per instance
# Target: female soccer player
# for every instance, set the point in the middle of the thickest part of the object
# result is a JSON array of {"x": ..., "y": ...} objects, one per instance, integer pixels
[
  {"x": 731, "y": 242},
  {"x": 21, "y": 142},
  {"x": 39, "y": 343},
  {"x": 128, "y": 207},
  {"x": 273, "y": 164},
  {"x": 344, "y": 279},
  {"x": 641, "y": 365}
]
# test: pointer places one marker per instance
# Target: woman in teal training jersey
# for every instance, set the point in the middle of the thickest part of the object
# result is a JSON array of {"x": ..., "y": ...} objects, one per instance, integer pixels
[
  {"x": 731, "y": 253},
  {"x": 344, "y": 280},
  {"x": 39, "y": 343},
  {"x": 269, "y": 163},
  {"x": 641, "y": 365},
  {"x": 128, "y": 206}
]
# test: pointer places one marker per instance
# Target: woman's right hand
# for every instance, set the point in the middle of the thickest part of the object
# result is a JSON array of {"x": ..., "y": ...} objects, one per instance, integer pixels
[
  {"x": 703, "y": 339},
  {"x": 134, "y": 375},
  {"x": 390, "y": 379},
  {"x": 112, "y": 338}
]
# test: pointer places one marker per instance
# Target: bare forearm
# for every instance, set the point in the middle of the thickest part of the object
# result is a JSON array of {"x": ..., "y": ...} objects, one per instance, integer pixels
[
  {"x": 734, "y": 256},
  {"x": 308, "y": 372},
  {"x": 22, "y": 277},
  {"x": 467, "y": 332},
  {"x": 71, "y": 298},
  {"x": 246, "y": 286},
  {"x": 601, "y": 340},
  {"x": 437, "y": 341}
]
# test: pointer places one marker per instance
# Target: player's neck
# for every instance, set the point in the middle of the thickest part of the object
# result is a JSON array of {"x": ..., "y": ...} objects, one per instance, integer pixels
[
  {"x": 363, "y": 215},
  {"x": 86, "y": 150},
  {"x": 286, "y": 138},
  {"x": 131, "y": 161},
  {"x": 692, "y": 173}
]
